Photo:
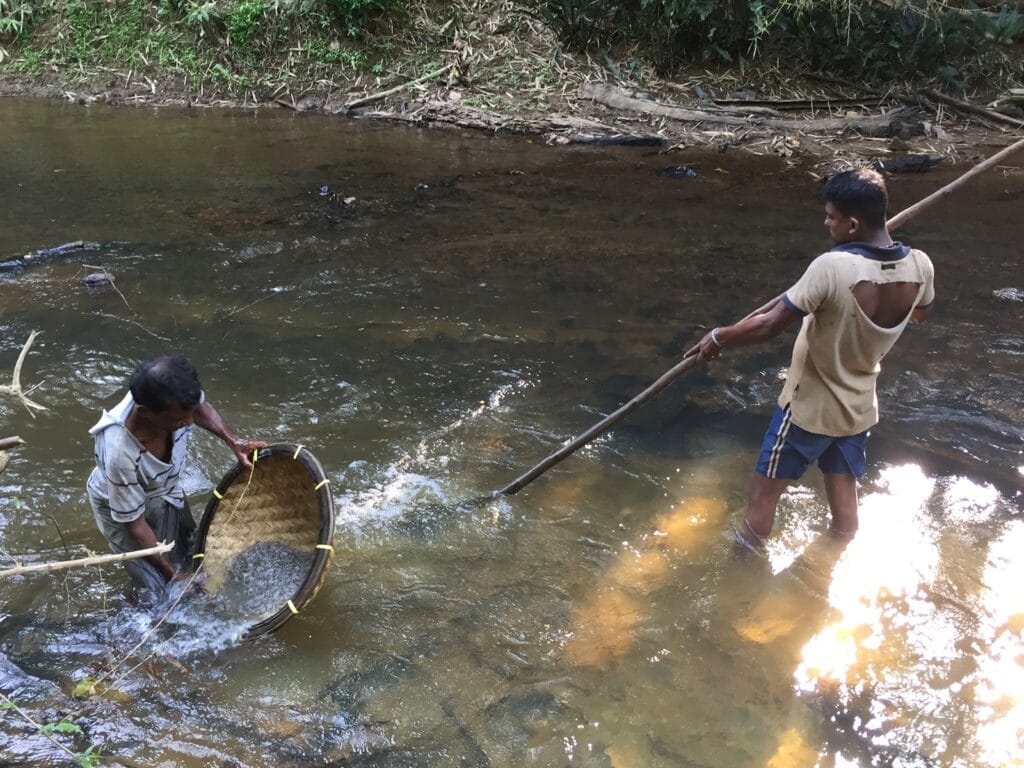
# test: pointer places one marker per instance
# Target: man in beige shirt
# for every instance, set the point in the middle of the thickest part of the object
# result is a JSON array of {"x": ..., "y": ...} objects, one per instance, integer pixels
[{"x": 855, "y": 301}]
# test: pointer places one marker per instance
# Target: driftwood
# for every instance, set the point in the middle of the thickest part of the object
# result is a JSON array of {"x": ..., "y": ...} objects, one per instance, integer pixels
[
  {"x": 617, "y": 98},
  {"x": 380, "y": 96},
  {"x": 965, "y": 106},
  {"x": 47, "y": 253},
  {"x": 8, "y": 443},
  {"x": 84, "y": 562},
  {"x": 621, "y": 139},
  {"x": 15, "y": 390}
]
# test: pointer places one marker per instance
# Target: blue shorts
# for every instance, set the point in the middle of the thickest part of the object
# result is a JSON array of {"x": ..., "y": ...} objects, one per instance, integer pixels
[{"x": 788, "y": 450}]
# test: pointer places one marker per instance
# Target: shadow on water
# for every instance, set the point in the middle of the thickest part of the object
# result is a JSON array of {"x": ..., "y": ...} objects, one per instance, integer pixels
[{"x": 432, "y": 313}]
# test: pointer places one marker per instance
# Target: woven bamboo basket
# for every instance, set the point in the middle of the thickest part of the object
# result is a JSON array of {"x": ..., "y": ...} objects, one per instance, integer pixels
[{"x": 285, "y": 502}]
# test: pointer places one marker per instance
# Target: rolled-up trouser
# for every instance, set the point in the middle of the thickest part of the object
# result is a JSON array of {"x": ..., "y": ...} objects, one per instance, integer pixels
[{"x": 168, "y": 523}]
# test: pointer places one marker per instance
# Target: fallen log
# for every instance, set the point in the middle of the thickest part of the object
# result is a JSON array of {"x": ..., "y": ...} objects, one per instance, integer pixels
[
  {"x": 83, "y": 562},
  {"x": 802, "y": 105},
  {"x": 974, "y": 109},
  {"x": 617, "y": 98}
]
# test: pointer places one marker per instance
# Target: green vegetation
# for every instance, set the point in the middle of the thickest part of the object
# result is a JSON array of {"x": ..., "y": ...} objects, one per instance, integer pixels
[
  {"x": 267, "y": 46},
  {"x": 236, "y": 43},
  {"x": 873, "y": 39},
  {"x": 90, "y": 758}
]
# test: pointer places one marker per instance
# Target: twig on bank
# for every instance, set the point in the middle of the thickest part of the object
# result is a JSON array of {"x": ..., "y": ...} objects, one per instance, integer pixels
[
  {"x": 374, "y": 97},
  {"x": 964, "y": 106},
  {"x": 14, "y": 389}
]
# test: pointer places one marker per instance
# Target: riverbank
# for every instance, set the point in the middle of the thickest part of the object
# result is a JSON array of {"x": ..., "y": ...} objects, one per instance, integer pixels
[{"x": 495, "y": 67}]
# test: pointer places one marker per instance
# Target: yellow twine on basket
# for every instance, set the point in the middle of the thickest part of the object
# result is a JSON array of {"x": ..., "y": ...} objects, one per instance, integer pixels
[
  {"x": 255, "y": 455},
  {"x": 198, "y": 556},
  {"x": 292, "y": 608},
  {"x": 321, "y": 484},
  {"x": 218, "y": 494},
  {"x": 297, "y": 452},
  {"x": 325, "y": 546}
]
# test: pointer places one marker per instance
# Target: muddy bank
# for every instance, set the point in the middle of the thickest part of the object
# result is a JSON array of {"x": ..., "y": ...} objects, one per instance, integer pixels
[{"x": 836, "y": 126}]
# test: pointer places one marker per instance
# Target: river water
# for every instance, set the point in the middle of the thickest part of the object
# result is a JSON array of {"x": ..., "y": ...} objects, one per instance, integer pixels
[{"x": 479, "y": 301}]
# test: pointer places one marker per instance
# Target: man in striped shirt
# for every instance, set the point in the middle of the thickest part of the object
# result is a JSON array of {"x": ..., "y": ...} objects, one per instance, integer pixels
[
  {"x": 141, "y": 445},
  {"x": 854, "y": 301}
]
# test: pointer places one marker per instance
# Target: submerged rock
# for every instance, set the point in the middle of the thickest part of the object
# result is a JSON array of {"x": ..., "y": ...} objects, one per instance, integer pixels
[{"x": 98, "y": 279}]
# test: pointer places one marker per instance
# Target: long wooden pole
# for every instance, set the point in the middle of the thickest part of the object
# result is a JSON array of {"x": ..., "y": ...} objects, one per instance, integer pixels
[
  {"x": 82, "y": 562},
  {"x": 689, "y": 363}
]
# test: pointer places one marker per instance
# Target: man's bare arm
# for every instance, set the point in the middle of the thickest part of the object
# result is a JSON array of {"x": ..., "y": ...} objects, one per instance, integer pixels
[
  {"x": 207, "y": 417},
  {"x": 920, "y": 314},
  {"x": 143, "y": 534},
  {"x": 753, "y": 330}
]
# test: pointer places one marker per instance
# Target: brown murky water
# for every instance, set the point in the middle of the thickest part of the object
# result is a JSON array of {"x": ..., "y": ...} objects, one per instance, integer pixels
[{"x": 480, "y": 301}]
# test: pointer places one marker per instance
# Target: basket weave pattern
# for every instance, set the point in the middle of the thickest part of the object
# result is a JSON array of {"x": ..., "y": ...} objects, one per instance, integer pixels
[{"x": 279, "y": 505}]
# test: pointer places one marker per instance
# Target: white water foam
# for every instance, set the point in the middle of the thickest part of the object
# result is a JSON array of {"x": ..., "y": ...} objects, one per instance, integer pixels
[{"x": 417, "y": 478}]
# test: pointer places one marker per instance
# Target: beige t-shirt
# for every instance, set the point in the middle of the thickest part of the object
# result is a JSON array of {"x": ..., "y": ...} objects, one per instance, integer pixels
[{"x": 836, "y": 358}]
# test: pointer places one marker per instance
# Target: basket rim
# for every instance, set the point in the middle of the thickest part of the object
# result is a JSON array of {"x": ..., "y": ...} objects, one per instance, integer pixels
[{"x": 322, "y": 557}]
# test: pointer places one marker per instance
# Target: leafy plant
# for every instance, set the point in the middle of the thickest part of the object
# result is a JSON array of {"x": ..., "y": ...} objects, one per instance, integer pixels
[
  {"x": 15, "y": 16},
  {"x": 88, "y": 759},
  {"x": 61, "y": 726},
  {"x": 1002, "y": 28},
  {"x": 244, "y": 22}
]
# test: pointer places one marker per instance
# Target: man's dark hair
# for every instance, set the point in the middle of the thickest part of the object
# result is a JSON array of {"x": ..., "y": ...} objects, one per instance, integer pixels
[
  {"x": 860, "y": 193},
  {"x": 163, "y": 380}
]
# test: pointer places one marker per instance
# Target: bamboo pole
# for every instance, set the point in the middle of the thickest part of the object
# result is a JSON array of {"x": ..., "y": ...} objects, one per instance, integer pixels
[
  {"x": 83, "y": 562},
  {"x": 689, "y": 363}
]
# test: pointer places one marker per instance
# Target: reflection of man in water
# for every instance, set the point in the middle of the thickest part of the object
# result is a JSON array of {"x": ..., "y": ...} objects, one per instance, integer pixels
[
  {"x": 135, "y": 490},
  {"x": 855, "y": 301}
]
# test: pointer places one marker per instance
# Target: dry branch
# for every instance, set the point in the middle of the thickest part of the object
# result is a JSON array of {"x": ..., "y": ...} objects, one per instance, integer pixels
[
  {"x": 83, "y": 562},
  {"x": 15, "y": 390},
  {"x": 617, "y": 98},
  {"x": 375, "y": 97},
  {"x": 964, "y": 106}
]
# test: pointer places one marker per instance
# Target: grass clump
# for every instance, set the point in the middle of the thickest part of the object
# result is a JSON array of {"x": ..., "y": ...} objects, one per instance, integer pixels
[{"x": 232, "y": 43}]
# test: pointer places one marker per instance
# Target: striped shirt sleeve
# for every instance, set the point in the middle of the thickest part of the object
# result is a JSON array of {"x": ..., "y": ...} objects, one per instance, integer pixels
[{"x": 127, "y": 497}]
